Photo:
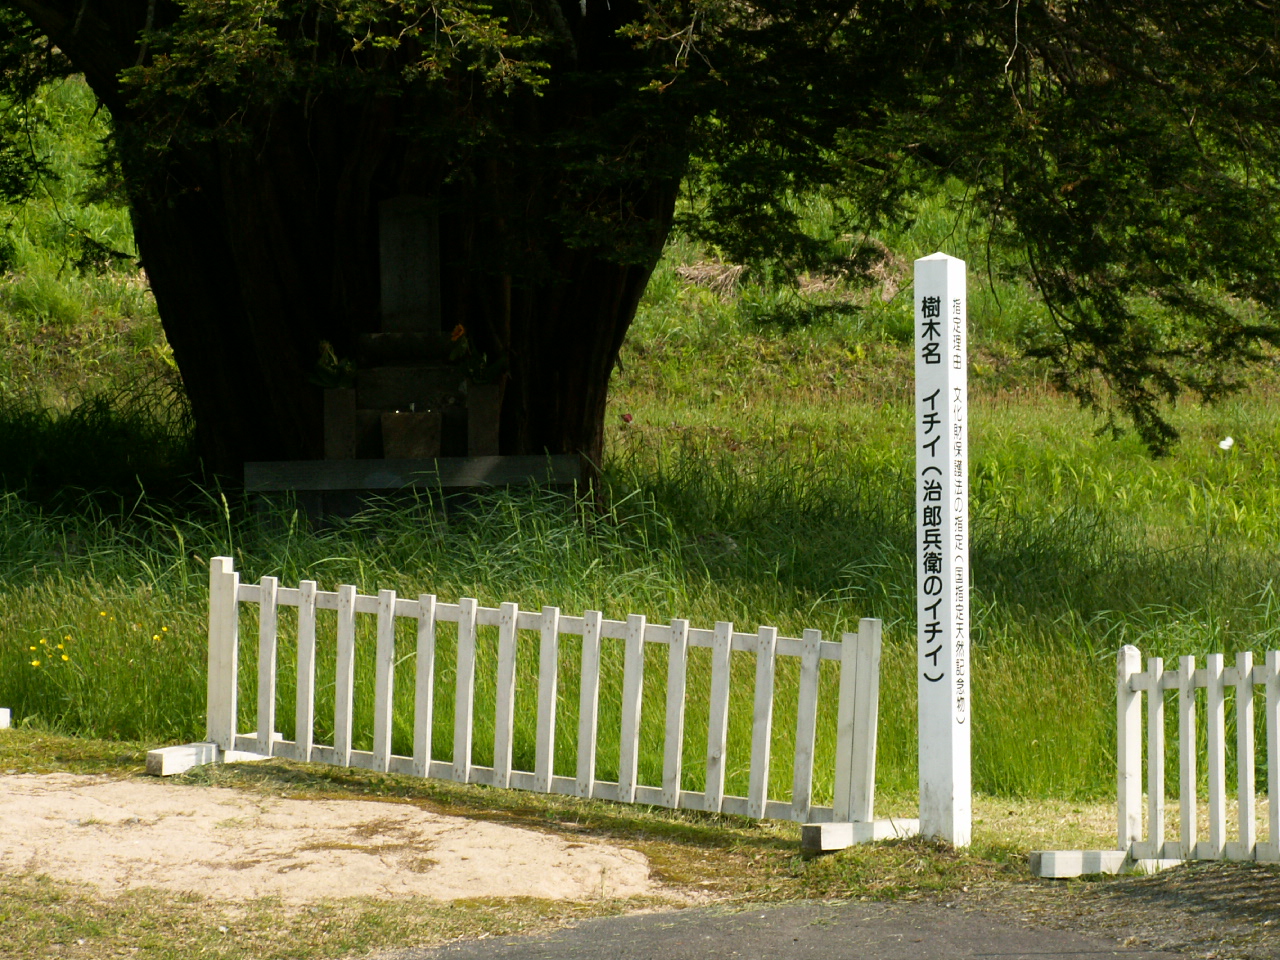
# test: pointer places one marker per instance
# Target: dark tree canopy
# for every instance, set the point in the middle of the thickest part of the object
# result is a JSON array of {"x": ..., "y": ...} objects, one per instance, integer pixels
[{"x": 1128, "y": 150}]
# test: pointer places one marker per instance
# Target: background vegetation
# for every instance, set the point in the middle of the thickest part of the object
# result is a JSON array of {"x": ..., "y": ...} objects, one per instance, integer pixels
[{"x": 758, "y": 470}]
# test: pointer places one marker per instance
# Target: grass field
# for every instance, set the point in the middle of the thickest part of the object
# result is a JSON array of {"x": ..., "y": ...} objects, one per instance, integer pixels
[{"x": 763, "y": 475}]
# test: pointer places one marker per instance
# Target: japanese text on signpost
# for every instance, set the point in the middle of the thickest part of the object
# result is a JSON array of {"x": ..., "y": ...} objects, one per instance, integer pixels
[{"x": 942, "y": 548}]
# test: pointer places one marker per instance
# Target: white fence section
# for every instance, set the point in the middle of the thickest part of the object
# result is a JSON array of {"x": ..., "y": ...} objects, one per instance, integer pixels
[
  {"x": 1150, "y": 849},
  {"x": 1214, "y": 678},
  {"x": 855, "y": 755}
]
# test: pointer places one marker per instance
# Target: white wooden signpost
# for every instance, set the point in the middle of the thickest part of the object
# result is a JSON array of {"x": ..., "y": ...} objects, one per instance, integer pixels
[{"x": 942, "y": 548}]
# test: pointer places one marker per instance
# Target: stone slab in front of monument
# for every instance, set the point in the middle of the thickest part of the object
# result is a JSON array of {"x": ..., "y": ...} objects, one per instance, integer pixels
[{"x": 411, "y": 435}]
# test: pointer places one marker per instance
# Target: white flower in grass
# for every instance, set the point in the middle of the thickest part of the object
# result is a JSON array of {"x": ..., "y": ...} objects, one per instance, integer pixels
[{"x": 1226, "y": 444}]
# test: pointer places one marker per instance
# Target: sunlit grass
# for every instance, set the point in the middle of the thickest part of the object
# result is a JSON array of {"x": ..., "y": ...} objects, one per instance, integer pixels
[{"x": 762, "y": 475}]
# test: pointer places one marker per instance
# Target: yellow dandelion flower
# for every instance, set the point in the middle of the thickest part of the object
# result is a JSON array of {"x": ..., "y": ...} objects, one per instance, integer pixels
[
  {"x": 60, "y": 647},
  {"x": 155, "y": 636},
  {"x": 35, "y": 663},
  {"x": 102, "y": 613},
  {"x": 65, "y": 657},
  {"x": 67, "y": 637},
  {"x": 43, "y": 640},
  {"x": 164, "y": 629}
]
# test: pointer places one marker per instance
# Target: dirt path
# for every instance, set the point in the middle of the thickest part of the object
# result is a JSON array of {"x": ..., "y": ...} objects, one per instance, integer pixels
[{"x": 121, "y": 834}]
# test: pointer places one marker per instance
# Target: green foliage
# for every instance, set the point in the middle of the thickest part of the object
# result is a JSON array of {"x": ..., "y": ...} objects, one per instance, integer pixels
[
  {"x": 77, "y": 318},
  {"x": 1123, "y": 158},
  {"x": 214, "y": 65}
]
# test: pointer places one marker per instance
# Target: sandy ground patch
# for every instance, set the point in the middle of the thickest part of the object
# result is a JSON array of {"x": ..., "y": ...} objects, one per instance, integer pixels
[{"x": 121, "y": 834}]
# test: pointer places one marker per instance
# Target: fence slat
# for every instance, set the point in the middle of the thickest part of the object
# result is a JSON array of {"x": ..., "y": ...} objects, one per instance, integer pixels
[
  {"x": 762, "y": 722},
  {"x": 224, "y": 652},
  {"x": 424, "y": 693},
  {"x": 632, "y": 691},
  {"x": 806, "y": 725},
  {"x": 464, "y": 692},
  {"x": 866, "y": 716},
  {"x": 384, "y": 680},
  {"x": 1248, "y": 831},
  {"x": 304, "y": 713},
  {"x": 673, "y": 744},
  {"x": 588, "y": 703},
  {"x": 1155, "y": 757},
  {"x": 1187, "y": 753},
  {"x": 1272, "y": 719},
  {"x": 841, "y": 802},
  {"x": 345, "y": 675},
  {"x": 267, "y": 643},
  {"x": 548, "y": 675},
  {"x": 1216, "y": 734},
  {"x": 718, "y": 715},
  {"x": 504, "y": 722},
  {"x": 1128, "y": 748}
]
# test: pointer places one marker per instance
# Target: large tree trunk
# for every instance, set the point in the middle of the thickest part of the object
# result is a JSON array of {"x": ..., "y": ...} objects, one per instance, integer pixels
[{"x": 259, "y": 249}]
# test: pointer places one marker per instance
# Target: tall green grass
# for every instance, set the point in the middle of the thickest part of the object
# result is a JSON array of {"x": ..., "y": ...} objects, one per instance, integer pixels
[
  {"x": 763, "y": 475},
  {"x": 800, "y": 525}
]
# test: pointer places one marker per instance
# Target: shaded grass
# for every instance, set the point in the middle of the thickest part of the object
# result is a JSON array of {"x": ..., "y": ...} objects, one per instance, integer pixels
[{"x": 804, "y": 525}]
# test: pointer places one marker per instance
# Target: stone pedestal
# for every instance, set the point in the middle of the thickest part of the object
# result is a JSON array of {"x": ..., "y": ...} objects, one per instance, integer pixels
[
  {"x": 340, "y": 428},
  {"x": 484, "y": 405},
  {"x": 411, "y": 436}
]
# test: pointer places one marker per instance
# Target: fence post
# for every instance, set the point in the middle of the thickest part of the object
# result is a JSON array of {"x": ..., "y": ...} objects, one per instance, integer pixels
[
  {"x": 224, "y": 647},
  {"x": 305, "y": 701},
  {"x": 762, "y": 722},
  {"x": 1272, "y": 707},
  {"x": 1245, "y": 774},
  {"x": 548, "y": 670},
  {"x": 384, "y": 677},
  {"x": 1187, "y": 754},
  {"x": 505, "y": 696},
  {"x": 588, "y": 703},
  {"x": 806, "y": 725},
  {"x": 464, "y": 690},
  {"x": 866, "y": 711},
  {"x": 1128, "y": 747},
  {"x": 344, "y": 675},
  {"x": 1216, "y": 734},
  {"x": 632, "y": 691},
  {"x": 424, "y": 685},
  {"x": 856, "y": 724},
  {"x": 718, "y": 716},
  {"x": 1155, "y": 759},
  {"x": 673, "y": 742},
  {"x": 267, "y": 643}
]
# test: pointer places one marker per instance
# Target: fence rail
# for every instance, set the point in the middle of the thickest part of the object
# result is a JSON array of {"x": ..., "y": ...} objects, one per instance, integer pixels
[
  {"x": 857, "y": 653},
  {"x": 1215, "y": 677}
]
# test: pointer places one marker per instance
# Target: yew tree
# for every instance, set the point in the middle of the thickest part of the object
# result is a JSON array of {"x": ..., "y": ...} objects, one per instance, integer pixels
[{"x": 1126, "y": 151}]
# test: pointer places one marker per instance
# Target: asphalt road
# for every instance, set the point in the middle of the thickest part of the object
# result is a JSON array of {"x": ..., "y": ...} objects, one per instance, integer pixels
[{"x": 809, "y": 931}]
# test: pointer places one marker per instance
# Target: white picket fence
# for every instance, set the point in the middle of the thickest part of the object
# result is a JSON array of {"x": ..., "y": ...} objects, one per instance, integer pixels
[
  {"x": 1214, "y": 678},
  {"x": 855, "y": 754},
  {"x": 1148, "y": 849}
]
